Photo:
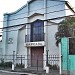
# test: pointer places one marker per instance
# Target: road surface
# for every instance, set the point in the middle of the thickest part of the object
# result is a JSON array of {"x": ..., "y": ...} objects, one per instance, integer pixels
[{"x": 11, "y": 73}]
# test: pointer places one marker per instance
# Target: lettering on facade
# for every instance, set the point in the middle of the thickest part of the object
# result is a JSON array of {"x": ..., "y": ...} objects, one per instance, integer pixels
[
  {"x": 10, "y": 40},
  {"x": 35, "y": 44}
]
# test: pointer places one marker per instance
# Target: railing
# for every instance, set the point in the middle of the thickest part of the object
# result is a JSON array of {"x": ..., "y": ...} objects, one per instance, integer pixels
[
  {"x": 34, "y": 38},
  {"x": 20, "y": 61},
  {"x": 53, "y": 61}
]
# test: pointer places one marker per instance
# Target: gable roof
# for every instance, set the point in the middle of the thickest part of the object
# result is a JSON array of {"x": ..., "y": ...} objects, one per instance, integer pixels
[{"x": 26, "y": 5}]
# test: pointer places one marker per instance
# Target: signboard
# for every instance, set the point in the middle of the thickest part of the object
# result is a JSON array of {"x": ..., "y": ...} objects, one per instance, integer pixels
[{"x": 33, "y": 44}]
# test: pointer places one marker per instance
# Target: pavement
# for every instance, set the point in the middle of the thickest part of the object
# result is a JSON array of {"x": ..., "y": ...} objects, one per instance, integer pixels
[
  {"x": 2, "y": 72},
  {"x": 31, "y": 71}
]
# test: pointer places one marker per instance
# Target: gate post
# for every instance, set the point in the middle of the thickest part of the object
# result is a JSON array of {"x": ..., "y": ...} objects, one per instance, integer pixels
[
  {"x": 47, "y": 57},
  {"x": 47, "y": 68},
  {"x": 60, "y": 58},
  {"x": 13, "y": 65}
]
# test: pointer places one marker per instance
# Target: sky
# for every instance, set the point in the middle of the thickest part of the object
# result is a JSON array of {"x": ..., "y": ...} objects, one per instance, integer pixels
[{"x": 8, "y": 6}]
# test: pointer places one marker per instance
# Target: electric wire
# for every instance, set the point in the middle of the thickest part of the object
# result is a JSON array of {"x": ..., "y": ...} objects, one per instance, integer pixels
[
  {"x": 36, "y": 10},
  {"x": 8, "y": 30},
  {"x": 44, "y": 13},
  {"x": 43, "y": 20},
  {"x": 57, "y": 18}
]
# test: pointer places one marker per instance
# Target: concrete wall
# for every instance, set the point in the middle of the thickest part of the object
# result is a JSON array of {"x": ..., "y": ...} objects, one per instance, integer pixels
[
  {"x": 53, "y": 49},
  {"x": 22, "y": 50},
  {"x": 12, "y": 46}
]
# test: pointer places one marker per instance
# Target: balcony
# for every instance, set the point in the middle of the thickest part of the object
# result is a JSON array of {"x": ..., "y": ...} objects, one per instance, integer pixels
[{"x": 34, "y": 38}]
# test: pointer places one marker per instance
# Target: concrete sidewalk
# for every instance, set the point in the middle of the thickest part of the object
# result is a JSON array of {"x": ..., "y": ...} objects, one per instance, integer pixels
[
  {"x": 2, "y": 72},
  {"x": 28, "y": 71}
]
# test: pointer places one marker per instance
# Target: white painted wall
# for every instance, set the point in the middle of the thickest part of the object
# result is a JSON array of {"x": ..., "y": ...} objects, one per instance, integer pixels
[
  {"x": 12, "y": 47},
  {"x": 22, "y": 50},
  {"x": 53, "y": 49}
]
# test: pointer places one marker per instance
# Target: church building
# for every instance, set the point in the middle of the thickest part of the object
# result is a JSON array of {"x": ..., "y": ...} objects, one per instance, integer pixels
[{"x": 30, "y": 31}]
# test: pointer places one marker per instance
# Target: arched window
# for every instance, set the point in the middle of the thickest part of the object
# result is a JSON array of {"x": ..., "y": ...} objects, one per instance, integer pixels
[{"x": 37, "y": 31}]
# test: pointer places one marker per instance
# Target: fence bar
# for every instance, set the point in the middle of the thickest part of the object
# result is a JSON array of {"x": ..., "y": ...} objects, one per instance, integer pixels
[{"x": 54, "y": 61}]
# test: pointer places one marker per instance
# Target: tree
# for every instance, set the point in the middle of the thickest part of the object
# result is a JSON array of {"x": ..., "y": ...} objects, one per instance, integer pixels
[{"x": 65, "y": 29}]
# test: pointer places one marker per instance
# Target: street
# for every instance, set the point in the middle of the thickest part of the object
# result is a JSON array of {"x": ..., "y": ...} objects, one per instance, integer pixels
[
  {"x": 2, "y": 72},
  {"x": 11, "y": 73}
]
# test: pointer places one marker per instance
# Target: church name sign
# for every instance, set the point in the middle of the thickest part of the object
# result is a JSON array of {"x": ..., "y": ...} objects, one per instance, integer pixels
[{"x": 30, "y": 44}]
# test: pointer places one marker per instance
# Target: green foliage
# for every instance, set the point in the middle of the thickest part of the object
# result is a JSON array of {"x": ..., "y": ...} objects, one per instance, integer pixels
[
  {"x": 8, "y": 64},
  {"x": 54, "y": 67},
  {"x": 19, "y": 65},
  {"x": 5, "y": 64},
  {"x": 2, "y": 63},
  {"x": 68, "y": 21},
  {"x": 65, "y": 29}
]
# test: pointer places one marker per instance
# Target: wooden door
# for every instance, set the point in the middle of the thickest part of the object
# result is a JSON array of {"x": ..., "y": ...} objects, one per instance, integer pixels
[{"x": 37, "y": 56}]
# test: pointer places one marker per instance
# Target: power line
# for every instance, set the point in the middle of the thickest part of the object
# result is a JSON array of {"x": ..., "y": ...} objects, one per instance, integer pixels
[
  {"x": 43, "y": 13},
  {"x": 26, "y": 28},
  {"x": 31, "y": 22},
  {"x": 39, "y": 9},
  {"x": 30, "y": 11},
  {"x": 57, "y": 18}
]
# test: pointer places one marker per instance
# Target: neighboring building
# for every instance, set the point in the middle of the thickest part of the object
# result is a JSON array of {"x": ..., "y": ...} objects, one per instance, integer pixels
[
  {"x": 68, "y": 55},
  {"x": 28, "y": 34}
]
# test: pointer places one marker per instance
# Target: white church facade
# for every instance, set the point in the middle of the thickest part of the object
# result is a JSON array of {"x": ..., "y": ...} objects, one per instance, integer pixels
[{"x": 30, "y": 31}]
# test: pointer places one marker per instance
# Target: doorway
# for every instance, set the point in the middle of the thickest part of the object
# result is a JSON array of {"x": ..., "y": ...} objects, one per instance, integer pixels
[{"x": 37, "y": 56}]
